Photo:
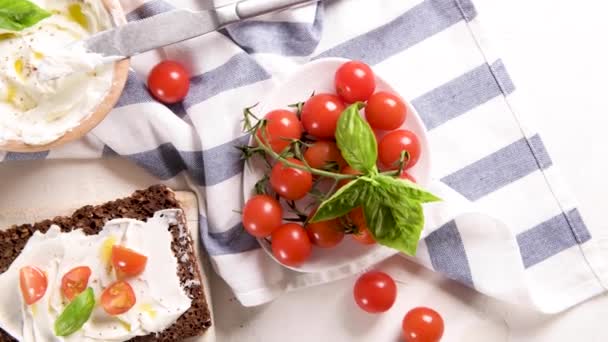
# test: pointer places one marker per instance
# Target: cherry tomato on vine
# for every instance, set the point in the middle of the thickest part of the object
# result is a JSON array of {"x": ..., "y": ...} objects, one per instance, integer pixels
[
  {"x": 75, "y": 281},
  {"x": 262, "y": 215},
  {"x": 118, "y": 298},
  {"x": 348, "y": 170},
  {"x": 281, "y": 126},
  {"x": 290, "y": 244},
  {"x": 321, "y": 152},
  {"x": 375, "y": 292},
  {"x": 320, "y": 115},
  {"x": 385, "y": 111},
  {"x": 355, "y": 81},
  {"x": 289, "y": 182},
  {"x": 362, "y": 235},
  {"x": 422, "y": 324},
  {"x": 392, "y": 144},
  {"x": 127, "y": 262},
  {"x": 33, "y": 284},
  {"x": 325, "y": 234},
  {"x": 169, "y": 82}
]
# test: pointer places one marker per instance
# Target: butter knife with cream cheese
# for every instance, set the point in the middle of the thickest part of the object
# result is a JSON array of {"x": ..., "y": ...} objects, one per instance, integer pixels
[{"x": 177, "y": 25}]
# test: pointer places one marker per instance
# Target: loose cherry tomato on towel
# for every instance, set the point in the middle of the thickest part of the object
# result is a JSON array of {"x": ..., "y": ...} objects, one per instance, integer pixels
[
  {"x": 422, "y": 325},
  {"x": 320, "y": 115},
  {"x": 118, "y": 298},
  {"x": 33, "y": 283},
  {"x": 289, "y": 182},
  {"x": 375, "y": 292},
  {"x": 290, "y": 244},
  {"x": 392, "y": 144},
  {"x": 355, "y": 81},
  {"x": 127, "y": 262},
  {"x": 75, "y": 281},
  {"x": 169, "y": 82},
  {"x": 262, "y": 215},
  {"x": 282, "y": 125},
  {"x": 385, "y": 111}
]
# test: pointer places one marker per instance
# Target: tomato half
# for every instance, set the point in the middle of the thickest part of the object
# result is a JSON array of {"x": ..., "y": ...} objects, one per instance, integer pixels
[
  {"x": 127, "y": 262},
  {"x": 422, "y": 324},
  {"x": 392, "y": 144},
  {"x": 320, "y": 115},
  {"x": 118, "y": 298},
  {"x": 75, "y": 281},
  {"x": 325, "y": 234},
  {"x": 169, "y": 82},
  {"x": 281, "y": 126},
  {"x": 33, "y": 284},
  {"x": 321, "y": 153},
  {"x": 290, "y": 244},
  {"x": 385, "y": 111},
  {"x": 375, "y": 292},
  {"x": 262, "y": 214},
  {"x": 355, "y": 81},
  {"x": 362, "y": 235},
  {"x": 289, "y": 182}
]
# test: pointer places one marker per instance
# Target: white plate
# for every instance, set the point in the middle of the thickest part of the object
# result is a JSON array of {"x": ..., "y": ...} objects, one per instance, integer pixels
[{"x": 318, "y": 77}]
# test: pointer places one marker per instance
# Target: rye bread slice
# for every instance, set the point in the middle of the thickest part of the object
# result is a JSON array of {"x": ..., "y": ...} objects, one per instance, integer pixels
[{"x": 141, "y": 205}]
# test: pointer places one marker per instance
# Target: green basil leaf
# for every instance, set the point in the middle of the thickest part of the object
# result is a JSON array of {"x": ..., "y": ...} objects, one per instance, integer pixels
[
  {"x": 16, "y": 15},
  {"x": 402, "y": 189},
  {"x": 76, "y": 313},
  {"x": 342, "y": 201},
  {"x": 356, "y": 140},
  {"x": 380, "y": 221}
]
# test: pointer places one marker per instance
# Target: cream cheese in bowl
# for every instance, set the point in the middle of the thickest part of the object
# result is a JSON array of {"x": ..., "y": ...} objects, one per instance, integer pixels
[{"x": 35, "y": 107}]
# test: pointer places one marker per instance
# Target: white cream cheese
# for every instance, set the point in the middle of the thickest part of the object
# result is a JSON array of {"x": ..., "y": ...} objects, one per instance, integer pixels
[
  {"x": 160, "y": 298},
  {"x": 35, "y": 108}
]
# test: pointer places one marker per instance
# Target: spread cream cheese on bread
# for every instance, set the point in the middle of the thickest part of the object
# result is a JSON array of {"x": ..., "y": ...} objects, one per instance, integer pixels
[
  {"x": 35, "y": 107},
  {"x": 160, "y": 298}
]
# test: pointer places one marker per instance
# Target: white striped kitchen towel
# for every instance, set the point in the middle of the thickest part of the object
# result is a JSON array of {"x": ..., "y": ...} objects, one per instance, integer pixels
[{"x": 522, "y": 238}]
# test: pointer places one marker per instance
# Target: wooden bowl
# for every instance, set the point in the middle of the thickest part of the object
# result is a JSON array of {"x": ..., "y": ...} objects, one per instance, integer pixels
[{"x": 121, "y": 71}]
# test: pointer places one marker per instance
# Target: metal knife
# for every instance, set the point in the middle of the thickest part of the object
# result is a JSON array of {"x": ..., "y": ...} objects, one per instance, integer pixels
[{"x": 178, "y": 25}]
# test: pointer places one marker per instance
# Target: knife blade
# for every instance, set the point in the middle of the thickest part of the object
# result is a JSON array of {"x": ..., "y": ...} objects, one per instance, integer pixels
[{"x": 177, "y": 25}]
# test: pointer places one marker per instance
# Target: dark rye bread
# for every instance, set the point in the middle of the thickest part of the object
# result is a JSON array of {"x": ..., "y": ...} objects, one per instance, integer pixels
[{"x": 140, "y": 205}]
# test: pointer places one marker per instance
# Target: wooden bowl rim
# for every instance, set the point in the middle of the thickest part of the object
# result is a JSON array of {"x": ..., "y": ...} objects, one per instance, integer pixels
[{"x": 121, "y": 72}]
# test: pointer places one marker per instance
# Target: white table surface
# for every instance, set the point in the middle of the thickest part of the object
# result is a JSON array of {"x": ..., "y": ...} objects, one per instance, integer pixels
[{"x": 556, "y": 53}]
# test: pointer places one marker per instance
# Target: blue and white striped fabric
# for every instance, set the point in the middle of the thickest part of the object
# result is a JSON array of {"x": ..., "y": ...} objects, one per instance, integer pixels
[{"x": 521, "y": 237}]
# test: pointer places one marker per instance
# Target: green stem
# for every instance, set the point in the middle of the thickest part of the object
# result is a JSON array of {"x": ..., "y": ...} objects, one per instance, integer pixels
[{"x": 314, "y": 171}]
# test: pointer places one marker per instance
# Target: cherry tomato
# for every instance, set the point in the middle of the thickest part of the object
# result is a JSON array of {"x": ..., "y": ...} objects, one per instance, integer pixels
[
  {"x": 405, "y": 175},
  {"x": 375, "y": 292},
  {"x": 320, "y": 115},
  {"x": 355, "y": 81},
  {"x": 127, "y": 262},
  {"x": 422, "y": 325},
  {"x": 325, "y": 234},
  {"x": 281, "y": 126},
  {"x": 169, "y": 82},
  {"x": 385, "y": 111},
  {"x": 289, "y": 182},
  {"x": 347, "y": 170},
  {"x": 290, "y": 244},
  {"x": 262, "y": 214},
  {"x": 323, "y": 152},
  {"x": 362, "y": 235},
  {"x": 391, "y": 145},
  {"x": 75, "y": 281},
  {"x": 118, "y": 298},
  {"x": 33, "y": 284}
]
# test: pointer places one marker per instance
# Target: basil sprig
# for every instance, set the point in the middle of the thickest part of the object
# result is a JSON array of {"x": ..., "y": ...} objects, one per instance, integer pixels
[
  {"x": 392, "y": 207},
  {"x": 16, "y": 15},
  {"x": 76, "y": 313}
]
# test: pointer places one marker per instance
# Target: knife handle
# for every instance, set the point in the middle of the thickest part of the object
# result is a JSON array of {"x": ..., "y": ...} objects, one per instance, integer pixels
[{"x": 252, "y": 8}]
